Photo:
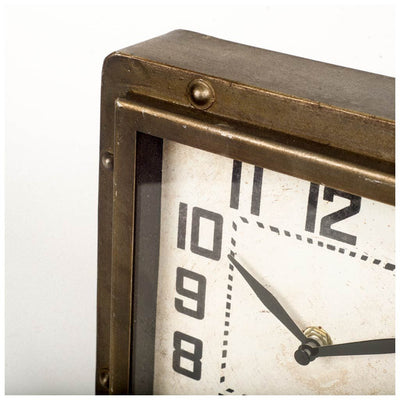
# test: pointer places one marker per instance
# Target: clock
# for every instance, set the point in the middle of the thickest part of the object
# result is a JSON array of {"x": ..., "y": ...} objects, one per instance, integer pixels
[{"x": 246, "y": 223}]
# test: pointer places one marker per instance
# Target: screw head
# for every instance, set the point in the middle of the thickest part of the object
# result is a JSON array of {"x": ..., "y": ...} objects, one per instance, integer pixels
[
  {"x": 107, "y": 160},
  {"x": 201, "y": 94},
  {"x": 104, "y": 378}
]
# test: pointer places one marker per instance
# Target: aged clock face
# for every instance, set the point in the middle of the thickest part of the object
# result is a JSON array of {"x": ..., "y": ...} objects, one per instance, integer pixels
[{"x": 326, "y": 256}]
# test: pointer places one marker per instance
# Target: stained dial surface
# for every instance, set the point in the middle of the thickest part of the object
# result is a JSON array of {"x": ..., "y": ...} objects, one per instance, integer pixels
[{"x": 328, "y": 256}]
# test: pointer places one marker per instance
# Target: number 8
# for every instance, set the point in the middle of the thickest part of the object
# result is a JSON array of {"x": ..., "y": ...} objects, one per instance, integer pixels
[{"x": 195, "y": 357}]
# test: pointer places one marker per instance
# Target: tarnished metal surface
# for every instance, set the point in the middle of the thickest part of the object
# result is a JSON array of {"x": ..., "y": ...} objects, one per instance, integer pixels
[
  {"x": 338, "y": 106},
  {"x": 297, "y": 77},
  {"x": 319, "y": 122}
]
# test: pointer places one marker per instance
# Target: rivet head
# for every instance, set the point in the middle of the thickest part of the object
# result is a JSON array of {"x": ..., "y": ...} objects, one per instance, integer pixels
[
  {"x": 201, "y": 94},
  {"x": 107, "y": 160},
  {"x": 104, "y": 378}
]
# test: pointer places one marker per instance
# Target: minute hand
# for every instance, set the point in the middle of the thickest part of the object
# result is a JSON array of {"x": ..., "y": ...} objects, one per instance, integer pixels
[
  {"x": 378, "y": 346},
  {"x": 269, "y": 301}
]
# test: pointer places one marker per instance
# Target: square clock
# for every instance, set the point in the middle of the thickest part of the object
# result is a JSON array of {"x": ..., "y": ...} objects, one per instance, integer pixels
[{"x": 246, "y": 223}]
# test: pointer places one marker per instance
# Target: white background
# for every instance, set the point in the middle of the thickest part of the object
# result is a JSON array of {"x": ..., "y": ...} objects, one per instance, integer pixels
[{"x": 54, "y": 56}]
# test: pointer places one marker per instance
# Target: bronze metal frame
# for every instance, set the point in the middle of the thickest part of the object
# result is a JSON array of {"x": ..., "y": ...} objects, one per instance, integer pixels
[{"x": 320, "y": 122}]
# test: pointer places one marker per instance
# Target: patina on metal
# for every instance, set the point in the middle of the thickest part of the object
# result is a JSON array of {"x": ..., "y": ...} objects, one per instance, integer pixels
[{"x": 316, "y": 121}]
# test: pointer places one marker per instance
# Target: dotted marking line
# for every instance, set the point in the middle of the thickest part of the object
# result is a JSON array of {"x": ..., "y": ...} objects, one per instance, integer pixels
[
  {"x": 228, "y": 306},
  {"x": 286, "y": 233},
  {"x": 331, "y": 247},
  {"x": 230, "y": 391}
]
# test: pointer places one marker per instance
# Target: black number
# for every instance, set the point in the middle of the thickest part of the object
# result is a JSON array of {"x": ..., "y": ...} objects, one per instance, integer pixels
[
  {"x": 235, "y": 186},
  {"x": 256, "y": 195},
  {"x": 197, "y": 213},
  {"x": 194, "y": 357},
  {"x": 199, "y": 295},
  {"x": 312, "y": 207},
  {"x": 330, "y": 219},
  {"x": 215, "y": 252},
  {"x": 256, "y": 191},
  {"x": 181, "y": 242}
]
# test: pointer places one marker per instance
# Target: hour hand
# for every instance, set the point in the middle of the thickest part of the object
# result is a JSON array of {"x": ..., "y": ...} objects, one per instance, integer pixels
[
  {"x": 269, "y": 300},
  {"x": 307, "y": 352}
]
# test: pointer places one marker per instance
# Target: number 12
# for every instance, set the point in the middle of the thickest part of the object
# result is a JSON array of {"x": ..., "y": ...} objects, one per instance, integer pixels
[{"x": 330, "y": 219}]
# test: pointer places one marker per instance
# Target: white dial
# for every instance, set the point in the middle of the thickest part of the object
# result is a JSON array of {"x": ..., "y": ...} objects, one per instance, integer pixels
[{"x": 327, "y": 256}]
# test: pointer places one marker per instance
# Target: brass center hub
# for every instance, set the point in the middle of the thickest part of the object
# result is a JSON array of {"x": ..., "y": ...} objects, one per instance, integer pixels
[{"x": 318, "y": 334}]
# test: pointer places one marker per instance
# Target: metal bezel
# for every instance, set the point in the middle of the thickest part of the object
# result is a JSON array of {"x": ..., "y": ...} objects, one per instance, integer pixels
[{"x": 271, "y": 129}]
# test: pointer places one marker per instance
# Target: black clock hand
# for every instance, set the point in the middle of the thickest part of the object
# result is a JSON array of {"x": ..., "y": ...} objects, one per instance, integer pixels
[
  {"x": 308, "y": 352},
  {"x": 269, "y": 301}
]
